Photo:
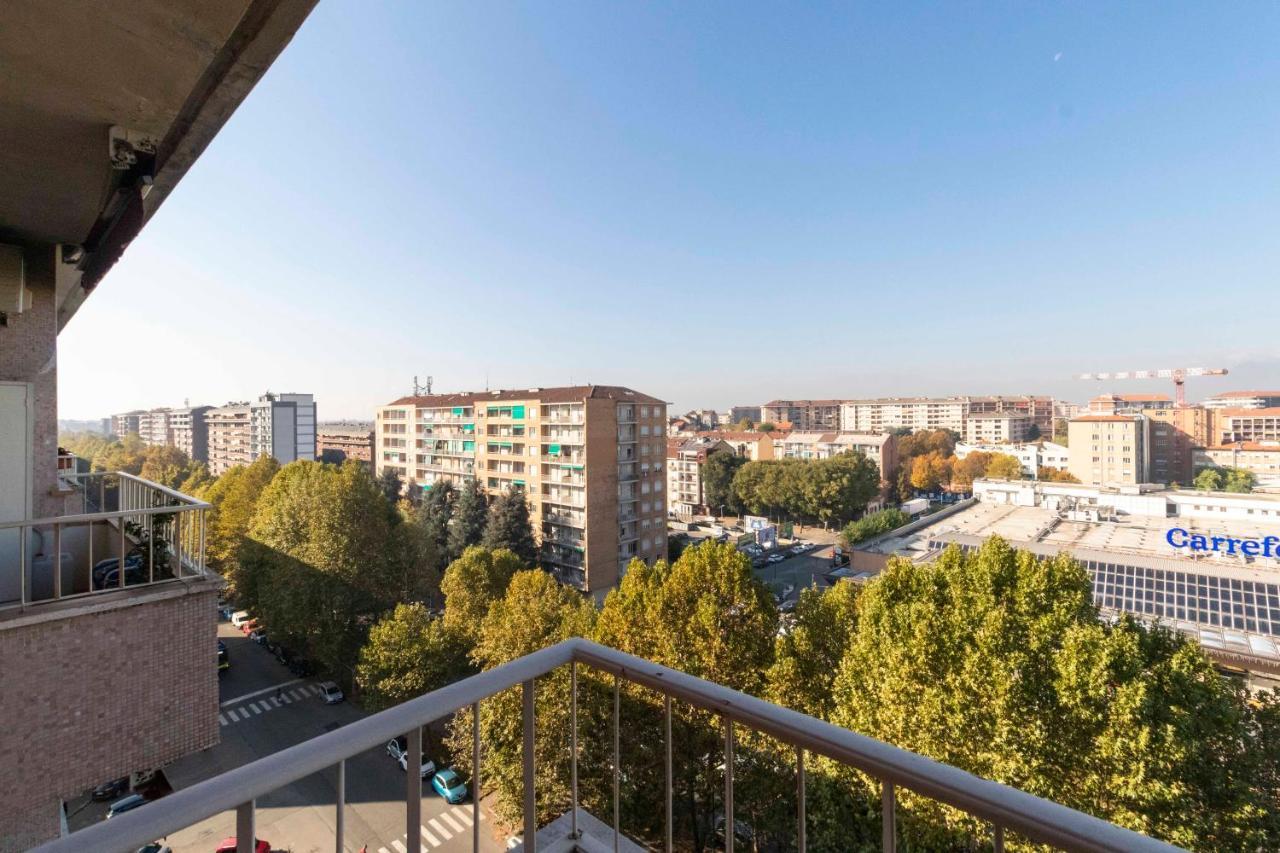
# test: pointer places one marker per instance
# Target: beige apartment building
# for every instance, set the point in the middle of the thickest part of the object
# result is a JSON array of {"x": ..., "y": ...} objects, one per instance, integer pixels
[
  {"x": 337, "y": 443},
  {"x": 1109, "y": 450},
  {"x": 153, "y": 427},
  {"x": 591, "y": 459},
  {"x": 230, "y": 437},
  {"x": 754, "y": 446},
  {"x": 802, "y": 414},
  {"x": 282, "y": 426},
  {"x": 997, "y": 428},
  {"x": 1249, "y": 425},
  {"x": 932, "y": 413},
  {"x": 189, "y": 432},
  {"x": 881, "y": 448},
  {"x": 1176, "y": 435},
  {"x": 1262, "y": 459},
  {"x": 1120, "y": 404},
  {"x": 126, "y": 422},
  {"x": 1244, "y": 400},
  {"x": 686, "y": 496}
]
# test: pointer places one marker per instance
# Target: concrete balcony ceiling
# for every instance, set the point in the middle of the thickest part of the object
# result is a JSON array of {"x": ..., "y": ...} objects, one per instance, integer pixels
[{"x": 166, "y": 73}]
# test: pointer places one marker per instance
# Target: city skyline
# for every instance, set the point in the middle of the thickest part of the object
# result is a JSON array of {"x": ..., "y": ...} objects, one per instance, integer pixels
[{"x": 951, "y": 202}]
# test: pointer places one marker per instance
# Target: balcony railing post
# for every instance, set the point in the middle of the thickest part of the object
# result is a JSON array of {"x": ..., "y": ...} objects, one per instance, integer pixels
[
  {"x": 413, "y": 790},
  {"x": 573, "y": 749},
  {"x": 801, "y": 828},
  {"x": 340, "y": 814},
  {"x": 120, "y": 567},
  {"x": 246, "y": 833},
  {"x": 888, "y": 808},
  {"x": 617, "y": 739},
  {"x": 57, "y": 560},
  {"x": 22, "y": 564},
  {"x": 670, "y": 815},
  {"x": 997, "y": 838},
  {"x": 530, "y": 801},
  {"x": 728, "y": 786},
  {"x": 475, "y": 777}
]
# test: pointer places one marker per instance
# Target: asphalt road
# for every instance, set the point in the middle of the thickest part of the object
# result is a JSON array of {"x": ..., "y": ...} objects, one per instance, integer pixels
[{"x": 256, "y": 722}]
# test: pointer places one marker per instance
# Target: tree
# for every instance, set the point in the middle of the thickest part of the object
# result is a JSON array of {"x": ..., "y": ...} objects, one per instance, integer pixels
[
  {"x": 1239, "y": 480},
  {"x": 166, "y": 465},
  {"x": 1033, "y": 432},
  {"x": 509, "y": 527},
  {"x": 233, "y": 498},
  {"x": 766, "y": 427},
  {"x": 470, "y": 514},
  {"x": 1060, "y": 431},
  {"x": 873, "y": 525},
  {"x": 472, "y": 583},
  {"x": 409, "y": 652},
  {"x": 328, "y": 557},
  {"x": 198, "y": 478},
  {"x": 744, "y": 425},
  {"x": 1004, "y": 467},
  {"x": 808, "y": 656},
  {"x": 391, "y": 484},
  {"x": 1209, "y": 480},
  {"x": 717, "y": 478},
  {"x": 839, "y": 488},
  {"x": 1123, "y": 721},
  {"x": 1056, "y": 475},
  {"x": 930, "y": 472},
  {"x": 535, "y": 612},
  {"x": 433, "y": 514},
  {"x": 972, "y": 467}
]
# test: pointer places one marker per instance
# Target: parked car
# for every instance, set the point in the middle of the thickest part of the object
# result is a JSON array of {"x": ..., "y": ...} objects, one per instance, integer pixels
[
  {"x": 225, "y": 611},
  {"x": 224, "y": 660},
  {"x": 228, "y": 845},
  {"x": 240, "y": 617},
  {"x": 259, "y": 636},
  {"x": 249, "y": 627},
  {"x": 331, "y": 693},
  {"x": 128, "y": 804},
  {"x": 111, "y": 790},
  {"x": 449, "y": 785},
  {"x": 398, "y": 749},
  {"x": 775, "y": 558},
  {"x": 155, "y": 847}
]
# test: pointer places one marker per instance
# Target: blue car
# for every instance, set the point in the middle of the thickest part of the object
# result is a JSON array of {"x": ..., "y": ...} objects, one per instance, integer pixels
[
  {"x": 128, "y": 804},
  {"x": 449, "y": 786}
]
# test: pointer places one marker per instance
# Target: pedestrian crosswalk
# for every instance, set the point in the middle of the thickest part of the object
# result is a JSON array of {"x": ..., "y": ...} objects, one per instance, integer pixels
[
  {"x": 262, "y": 705},
  {"x": 454, "y": 822}
]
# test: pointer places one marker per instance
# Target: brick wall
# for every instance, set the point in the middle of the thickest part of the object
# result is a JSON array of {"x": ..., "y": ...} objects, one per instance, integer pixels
[{"x": 99, "y": 691}]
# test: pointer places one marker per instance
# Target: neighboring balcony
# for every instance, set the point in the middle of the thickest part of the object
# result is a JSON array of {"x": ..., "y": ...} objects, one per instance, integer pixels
[
  {"x": 114, "y": 520},
  {"x": 999, "y": 808}
]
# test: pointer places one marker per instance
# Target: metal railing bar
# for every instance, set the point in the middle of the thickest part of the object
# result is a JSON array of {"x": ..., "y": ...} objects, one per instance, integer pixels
[
  {"x": 413, "y": 790},
  {"x": 997, "y": 838},
  {"x": 340, "y": 812},
  {"x": 527, "y": 758},
  {"x": 617, "y": 770},
  {"x": 475, "y": 777},
  {"x": 670, "y": 813},
  {"x": 573, "y": 749},
  {"x": 889, "y": 818},
  {"x": 246, "y": 833},
  {"x": 801, "y": 828},
  {"x": 729, "y": 827}
]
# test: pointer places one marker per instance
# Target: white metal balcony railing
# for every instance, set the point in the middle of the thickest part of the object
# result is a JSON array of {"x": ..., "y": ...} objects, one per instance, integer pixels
[
  {"x": 129, "y": 532},
  {"x": 1003, "y": 807}
]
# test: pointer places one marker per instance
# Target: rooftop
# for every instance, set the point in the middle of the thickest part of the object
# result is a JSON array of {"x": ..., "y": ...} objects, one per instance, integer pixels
[{"x": 559, "y": 394}]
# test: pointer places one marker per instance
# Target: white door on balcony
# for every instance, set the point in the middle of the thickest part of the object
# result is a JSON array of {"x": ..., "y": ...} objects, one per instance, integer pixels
[{"x": 15, "y": 479}]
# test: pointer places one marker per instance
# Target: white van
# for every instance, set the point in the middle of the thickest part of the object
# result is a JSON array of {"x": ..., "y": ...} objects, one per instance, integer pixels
[{"x": 240, "y": 617}]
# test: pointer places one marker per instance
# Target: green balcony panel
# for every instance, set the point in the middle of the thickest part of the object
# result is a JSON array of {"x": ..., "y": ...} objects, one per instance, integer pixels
[{"x": 517, "y": 412}]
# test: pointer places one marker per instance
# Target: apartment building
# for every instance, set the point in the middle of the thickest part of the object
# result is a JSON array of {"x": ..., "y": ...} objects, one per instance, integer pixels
[
  {"x": 127, "y": 422},
  {"x": 153, "y": 427},
  {"x": 591, "y": 459},
  {"x": 1244, "y": 400},
  {"x": 751, "y": 413},
  {"x": 686, "y": 496},
  {"x": 189, "y": 432},
  {"x": 1262, "y": 459},
  {"x": 1249, "y": 425},
  {"x": 1037, "y": 410},
  {"x": 932, "y": 413},
  {"x": 1109, "y": 450},
  {"x": 755, "y": 446},
  {"x": 881, "y": 448},
  {"x": 337, "y": 443},
  {"x": 1033, "y": 455},
  {"x": 1176, "y": 435},
  {"x": 282, "y": 426},
  {"x": 997, "y": 428},
  {"x": 802, "y": 414},
  {"x": 105, "y": 109}
]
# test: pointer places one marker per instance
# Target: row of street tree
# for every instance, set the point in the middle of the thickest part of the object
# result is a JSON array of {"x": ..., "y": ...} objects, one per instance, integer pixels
[{"x": 995, "y": 662}]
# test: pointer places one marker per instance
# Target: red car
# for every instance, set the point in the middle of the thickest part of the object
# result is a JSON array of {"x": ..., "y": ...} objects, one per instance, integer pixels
[
  {"x": 249, "y": 627},
  {"x": 228, "y": 845}
]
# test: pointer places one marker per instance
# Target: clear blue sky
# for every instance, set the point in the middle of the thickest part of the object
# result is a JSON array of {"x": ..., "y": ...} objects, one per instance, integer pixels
[{"x": 716, "y": 203}]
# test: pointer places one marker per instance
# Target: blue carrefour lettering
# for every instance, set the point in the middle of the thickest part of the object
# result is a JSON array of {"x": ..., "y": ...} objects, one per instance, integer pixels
[{"x": 1173, "y": 533}]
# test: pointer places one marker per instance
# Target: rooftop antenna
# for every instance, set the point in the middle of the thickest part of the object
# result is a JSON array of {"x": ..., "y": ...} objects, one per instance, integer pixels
[{"x": 419, "y": 390}]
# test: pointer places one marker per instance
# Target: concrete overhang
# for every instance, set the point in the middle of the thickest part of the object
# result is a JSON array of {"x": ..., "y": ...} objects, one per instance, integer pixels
[{"x": 104, "y": 106}]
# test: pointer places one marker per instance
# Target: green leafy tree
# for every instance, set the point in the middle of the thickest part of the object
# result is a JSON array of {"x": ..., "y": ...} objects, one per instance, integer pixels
[
  {"x": 1002, "y": 466},
  {"x": 1033, "y": 432},
  {"x": 328, "y": 557},
  {"x": 391, "y": 484},
  {"x": 873, "y": 525},
  {"x": 998, "y": 663},
  {"x": 434, "y": 513},
  {"x": 744, "y": 425},
  {"x": 717, "y": 479},
  {"x": 509, "y": 527},
  {"x": 1209, "y": 480},
  {"x": 808, "y": 655},
  {"x": 535, "y": 612},
  {"x": 472, "y": 583},
  {"x": 470, "y": 515},
  {"x": 767, "y": 427},
  {"x": 234, "y": 500},
  {"x": 839, "y": 488},
  {"x": 410, "y": 652},
  {"x": 1239, "y": 480}
]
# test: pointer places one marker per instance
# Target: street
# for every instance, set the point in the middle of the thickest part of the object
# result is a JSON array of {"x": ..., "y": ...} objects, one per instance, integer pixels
[{"x": 256, "y": 722}]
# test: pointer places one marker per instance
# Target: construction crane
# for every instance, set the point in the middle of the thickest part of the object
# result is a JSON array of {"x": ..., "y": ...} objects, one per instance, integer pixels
[{"x": 1177, "y": 374}]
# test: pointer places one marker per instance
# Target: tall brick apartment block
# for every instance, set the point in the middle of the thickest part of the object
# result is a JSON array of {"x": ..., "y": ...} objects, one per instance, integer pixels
[
  {"x": 590, "y": 458},
  {"x": 106, "y": 107}
]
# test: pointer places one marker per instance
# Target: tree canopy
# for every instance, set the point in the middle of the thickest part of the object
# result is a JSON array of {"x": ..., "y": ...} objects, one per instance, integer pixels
[
  {"x": 470, "y": 515},
  {"x": 827, "y": 491},
  {"x": 509, "y": 527},
  {"x": 717, "y": 479}
]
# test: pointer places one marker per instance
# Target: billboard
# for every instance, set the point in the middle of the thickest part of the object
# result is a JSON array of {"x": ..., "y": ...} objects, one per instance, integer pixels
[{"x": 754, "y": 522}]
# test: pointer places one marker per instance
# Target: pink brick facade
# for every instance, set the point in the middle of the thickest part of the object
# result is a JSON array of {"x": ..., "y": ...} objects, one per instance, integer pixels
[{"x": 100, "y": 690}]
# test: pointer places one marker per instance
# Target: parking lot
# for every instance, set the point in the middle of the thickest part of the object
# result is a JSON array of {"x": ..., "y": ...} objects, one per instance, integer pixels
[
  {"x": 790, "y": 572},
  {"x": 265, "y": 708}
]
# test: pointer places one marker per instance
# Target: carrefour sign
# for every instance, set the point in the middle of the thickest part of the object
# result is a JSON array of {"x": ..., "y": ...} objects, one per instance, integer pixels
[{"x": 1268, "y": 546}]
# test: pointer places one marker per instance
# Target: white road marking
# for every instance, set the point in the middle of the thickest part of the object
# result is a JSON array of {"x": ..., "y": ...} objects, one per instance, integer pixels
[
  {"x": 275, "y": 702},
  {"x": 298, "y": 695},
  {"x": 453, "y": 824},
  {"x": 435, "y": 824},
  {"x": 399, "y": 845},
  {"x": 232, "y": 715},
  {"x": 431, "y": 839},
  {"x": 254, "y": 706},
  {"x": 273, "y": 689},
  {"x": 464, "y": 815},
  {"x": 314, "y": 688},
  {"x": 383, "y": 850},
  {"x": 222, "y": 719}
]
